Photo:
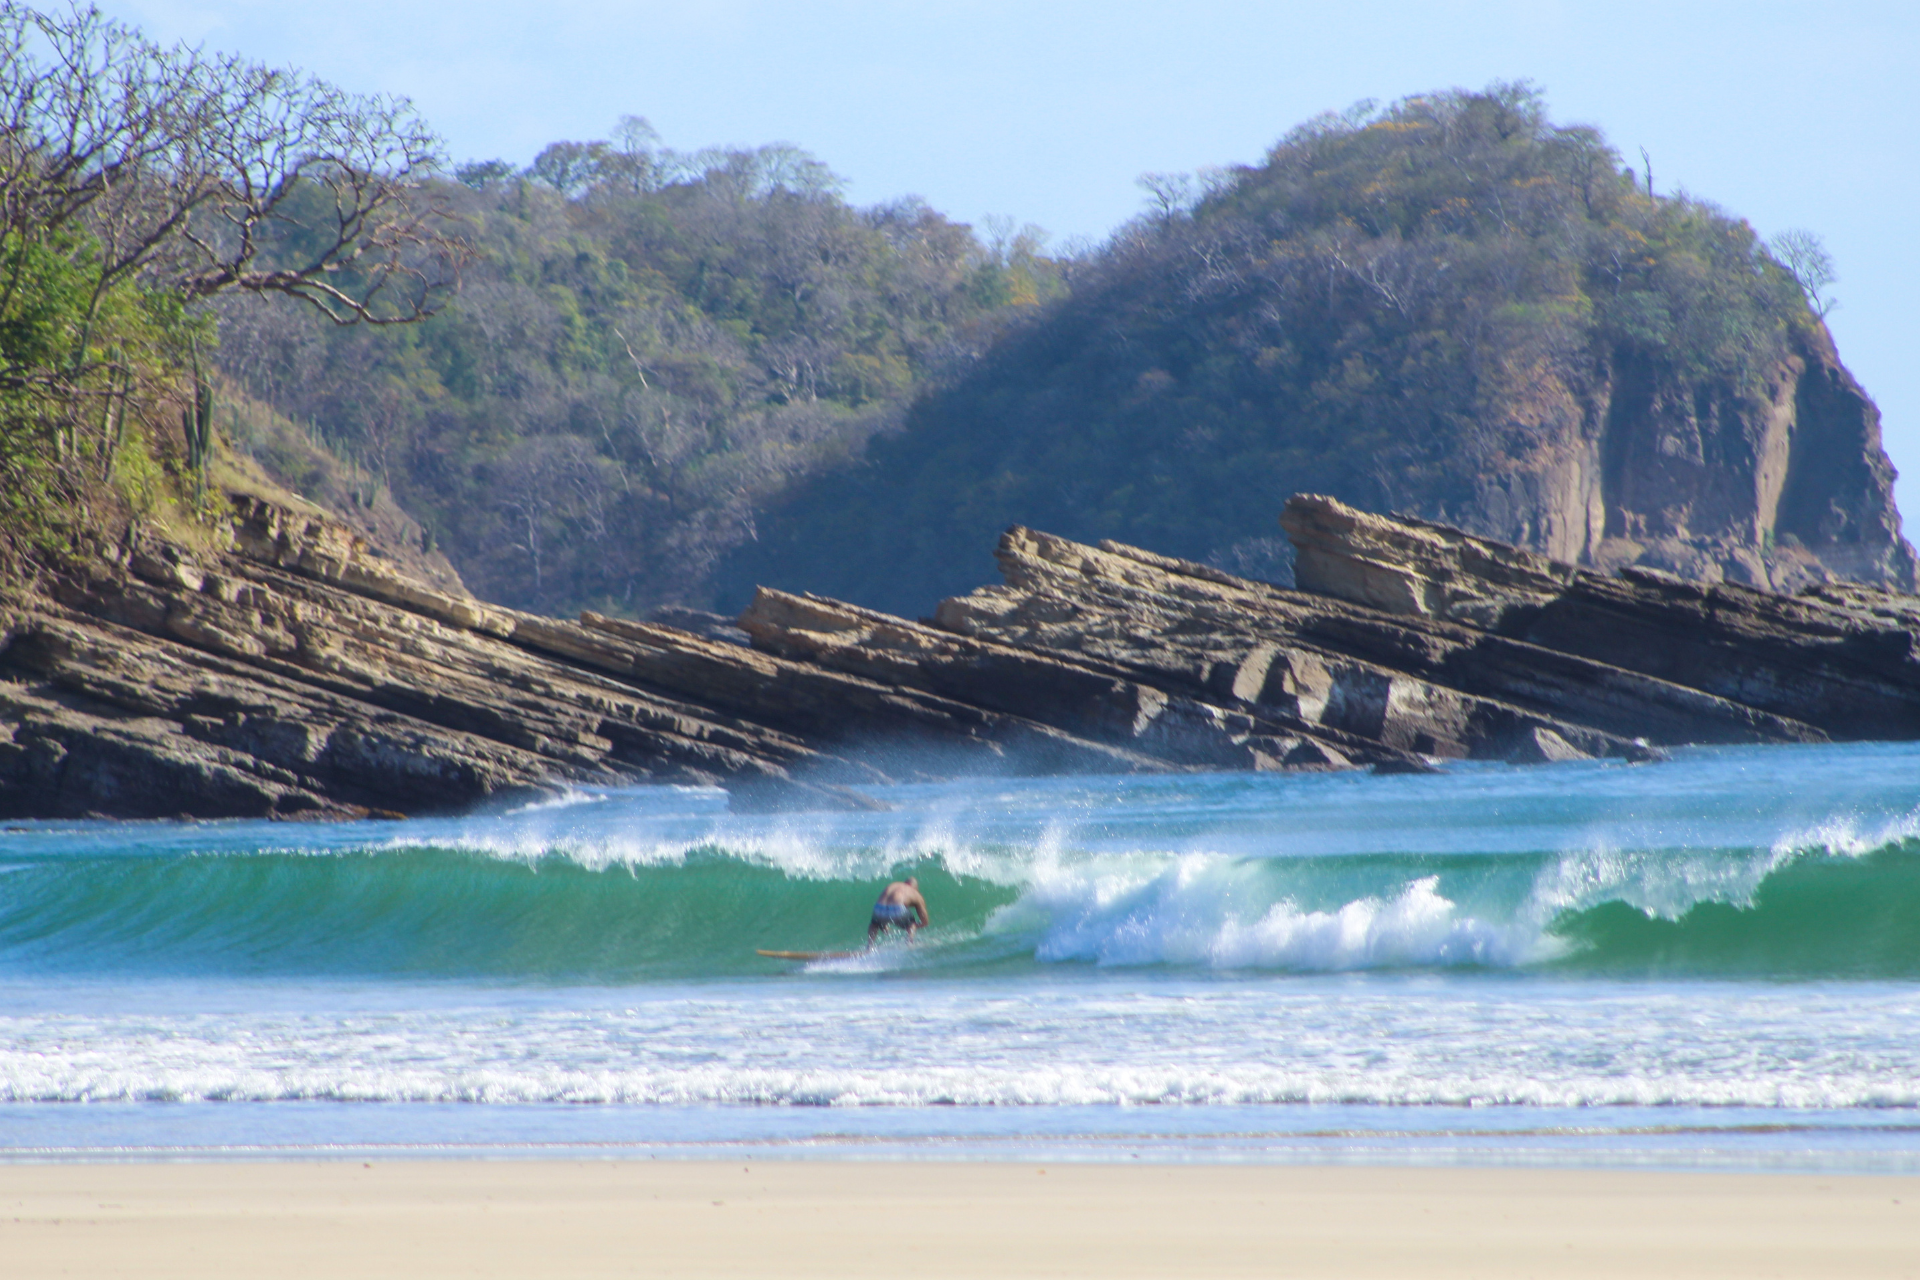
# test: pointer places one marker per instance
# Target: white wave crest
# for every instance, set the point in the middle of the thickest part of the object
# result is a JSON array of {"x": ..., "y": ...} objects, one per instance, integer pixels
[
  {"x": 604, "y": 831},
  {"x": 1666, "y": 883},
  {"x": 1209, "y": 910},
  {"x": 567, "y": 798},
  {"x": 1849, "y": 836},
  {"x": 1663, "y": 883}
]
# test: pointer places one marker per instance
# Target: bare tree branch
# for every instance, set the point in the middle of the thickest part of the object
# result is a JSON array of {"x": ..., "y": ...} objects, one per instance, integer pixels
[{"x": 210, "y": 173}]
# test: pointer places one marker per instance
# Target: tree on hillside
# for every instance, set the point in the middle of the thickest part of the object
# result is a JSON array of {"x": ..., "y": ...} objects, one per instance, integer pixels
[
  {"x": 569, "y": 167},
  {"x": 137, "y": 180},
  {"x": 1801, "y": 252},
  {"x": 205, "y": 173}
]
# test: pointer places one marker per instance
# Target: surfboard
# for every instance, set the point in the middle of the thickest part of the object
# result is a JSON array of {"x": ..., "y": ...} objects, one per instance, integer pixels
[{"x": 807, "y": 955}]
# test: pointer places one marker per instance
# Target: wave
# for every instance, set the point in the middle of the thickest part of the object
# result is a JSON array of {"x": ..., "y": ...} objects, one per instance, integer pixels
[
  {"x": 436, "y": 912},
  {"x": 975, "y": 1043},
  {"x": 1832, "y": 900},
  {"x": 1812, "y": 914}
]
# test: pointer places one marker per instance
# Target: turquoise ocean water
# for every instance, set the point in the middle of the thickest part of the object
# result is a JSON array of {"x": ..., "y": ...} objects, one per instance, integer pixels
[{"x": 1712, "y": 962}]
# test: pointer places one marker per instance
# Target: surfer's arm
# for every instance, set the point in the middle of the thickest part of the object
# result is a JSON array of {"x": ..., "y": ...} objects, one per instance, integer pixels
[{"x": 920, "y": 905}]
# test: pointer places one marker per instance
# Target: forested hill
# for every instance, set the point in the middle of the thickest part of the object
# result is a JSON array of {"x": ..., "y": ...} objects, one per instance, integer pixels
[
  {"x": 1451, "y": 307},
  {"x": 647, "y": 346},
  {"x": 584, "y": 378},
  {"x": 628, "y": 376}
]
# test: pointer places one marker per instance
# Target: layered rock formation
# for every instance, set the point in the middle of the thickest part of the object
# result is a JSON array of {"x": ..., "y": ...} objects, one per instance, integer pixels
[
  {"x": 1838, "y": 657},
  {"x": 297, "y": 673}
]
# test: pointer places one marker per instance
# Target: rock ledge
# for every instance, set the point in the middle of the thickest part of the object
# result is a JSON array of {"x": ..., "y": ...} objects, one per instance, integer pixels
[{"x": 298, "y": 674}]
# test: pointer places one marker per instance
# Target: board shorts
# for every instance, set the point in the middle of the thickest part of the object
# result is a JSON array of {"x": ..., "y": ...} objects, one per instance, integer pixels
[{"x": 892, "y": 914}]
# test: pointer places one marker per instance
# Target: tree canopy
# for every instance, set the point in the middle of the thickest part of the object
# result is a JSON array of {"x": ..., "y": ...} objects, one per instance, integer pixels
[{"x": 646, "y": 348}]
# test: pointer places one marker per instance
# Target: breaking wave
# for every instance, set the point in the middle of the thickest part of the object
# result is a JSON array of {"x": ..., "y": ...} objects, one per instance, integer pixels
[{"x": 1829, "y": 901}]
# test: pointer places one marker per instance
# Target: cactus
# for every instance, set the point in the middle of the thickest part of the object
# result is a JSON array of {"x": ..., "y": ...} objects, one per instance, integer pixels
[
  {"x": 113, "y": 420},
  {"x": 196, "y": 423}
]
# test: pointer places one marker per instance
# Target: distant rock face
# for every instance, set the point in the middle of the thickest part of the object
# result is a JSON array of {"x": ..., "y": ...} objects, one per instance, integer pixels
[{"x": 1779, "y": 489}]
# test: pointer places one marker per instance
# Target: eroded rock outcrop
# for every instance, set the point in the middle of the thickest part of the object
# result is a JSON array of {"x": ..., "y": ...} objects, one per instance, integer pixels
[
  {"x": 297, "y": 674},
  {"x": 294, "y": 673},
  {"x": 1429, "y": 689},
  {"x": 1838, "y": 657}
]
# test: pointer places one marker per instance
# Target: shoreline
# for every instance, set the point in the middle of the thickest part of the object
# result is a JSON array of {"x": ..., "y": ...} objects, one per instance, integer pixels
[{"x": 374, "y": 1218}]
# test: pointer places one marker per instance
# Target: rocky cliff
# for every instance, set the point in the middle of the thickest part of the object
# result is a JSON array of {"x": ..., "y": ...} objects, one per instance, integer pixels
[
  {"x": 1779, "y": 486},
  {"x": 295, "y": 673}
]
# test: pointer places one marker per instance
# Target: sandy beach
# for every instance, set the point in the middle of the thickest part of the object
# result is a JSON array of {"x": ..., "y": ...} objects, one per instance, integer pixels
[{"x": 793, "y": 1218}]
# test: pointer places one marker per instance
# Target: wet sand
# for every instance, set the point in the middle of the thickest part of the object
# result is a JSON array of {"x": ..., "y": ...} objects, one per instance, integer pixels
[{"x": 845, "y": 1219}]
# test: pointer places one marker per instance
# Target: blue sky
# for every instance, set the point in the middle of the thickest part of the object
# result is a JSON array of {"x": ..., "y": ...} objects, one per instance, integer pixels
[{"x": 1789, "y": 114}]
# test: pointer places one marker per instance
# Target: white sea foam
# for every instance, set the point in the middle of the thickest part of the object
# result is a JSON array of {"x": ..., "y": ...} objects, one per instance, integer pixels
[
  {"x": 1220, "y": 912},
  {"x": 568, "y": 798},
  {"x": 1418, "y": 927},
  {"x": 1070, "y": 1044}
]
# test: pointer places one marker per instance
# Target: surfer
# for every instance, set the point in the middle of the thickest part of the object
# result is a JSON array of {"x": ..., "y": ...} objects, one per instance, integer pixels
[{"x": 900, "y": 907}]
